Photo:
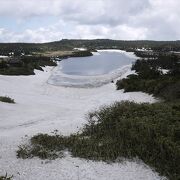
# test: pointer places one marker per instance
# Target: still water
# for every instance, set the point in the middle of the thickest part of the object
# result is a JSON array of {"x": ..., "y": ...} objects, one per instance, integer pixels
[
  {"x": 99, "y": 64},
  {"x": 92, "y": 71}
]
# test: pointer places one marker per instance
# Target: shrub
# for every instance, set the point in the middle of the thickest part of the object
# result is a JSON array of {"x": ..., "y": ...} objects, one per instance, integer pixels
[
  {"x": 151, "y": 80},
  {"x": 26, "y": 65},
  {"x": 81, "y": 54},
  {"x": 6, "y": 99},
  {"x": 6, "y": 177},
  {"x": 148, "y": 131}
]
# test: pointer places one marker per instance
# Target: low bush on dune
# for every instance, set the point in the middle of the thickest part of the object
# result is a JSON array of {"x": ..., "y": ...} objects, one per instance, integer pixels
[
  {"x": 6, "y": 177},
  {"x": 25, "y": 65},
  {"x": 6, "y": 99},
  {"x": 150, "y": 132},
  {"x": 151, "y": 79}
]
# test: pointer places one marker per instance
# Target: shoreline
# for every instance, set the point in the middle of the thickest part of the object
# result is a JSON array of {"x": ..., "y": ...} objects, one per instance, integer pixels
[
  {"x": 42, "y": 108},
  {"x": 95, "y": 81}
]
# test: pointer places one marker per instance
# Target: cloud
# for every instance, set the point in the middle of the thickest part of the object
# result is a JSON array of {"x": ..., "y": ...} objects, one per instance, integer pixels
[
  {"x": 79, "y": 32},
  {"x": 117, "y": 19},
  {"x": 117, "y": 32},
  {"x": 38, "y": 35},
  {"x": 81, "y": 11}
]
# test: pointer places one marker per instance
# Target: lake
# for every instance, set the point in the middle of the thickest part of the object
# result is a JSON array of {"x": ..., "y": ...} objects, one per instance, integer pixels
[{"x": 93, "y": 71}]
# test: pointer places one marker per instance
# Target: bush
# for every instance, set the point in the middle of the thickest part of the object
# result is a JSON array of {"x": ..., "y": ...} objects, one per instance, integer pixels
[
  {"x": 3, "y": 64},
  {"x": 165, "y": 87},
  {"x": 148, "y": 131},
  {"x": 151, "y": 80},
  {"x": 6, "y": 177},
  {"x": 43, "y": 146},
  {"x": 6, "y": 99},
  {"x": 25, "y": 65},
  {"x": 81, "y": 54}
]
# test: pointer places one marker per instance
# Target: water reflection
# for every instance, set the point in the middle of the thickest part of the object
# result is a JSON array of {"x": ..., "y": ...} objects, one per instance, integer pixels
[
  {"x": 92, "y": 71},
  {"x": 95, "y": 65}
]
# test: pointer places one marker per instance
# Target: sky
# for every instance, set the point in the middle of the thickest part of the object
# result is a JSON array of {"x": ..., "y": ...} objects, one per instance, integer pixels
[{"x": 53, "y": 20}]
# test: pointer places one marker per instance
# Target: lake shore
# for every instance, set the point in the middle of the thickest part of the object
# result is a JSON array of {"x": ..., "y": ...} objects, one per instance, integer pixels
[
  {"x": 104, "y": 67},
  {"x": 43, "y": 108}
]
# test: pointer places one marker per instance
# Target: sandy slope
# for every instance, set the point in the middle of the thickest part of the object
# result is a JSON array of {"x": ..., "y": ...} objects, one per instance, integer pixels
[{"x": 41, "y": 107}]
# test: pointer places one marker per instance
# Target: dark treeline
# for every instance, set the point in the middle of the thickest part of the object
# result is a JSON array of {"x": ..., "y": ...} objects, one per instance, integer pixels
[
  {"x": 29, "y": 48},
  {"x": 120, "y": 44},
  {"x": 81, "y": 54},
  {"x": 24, "y": 65},
  {"x": 151, "y": 79},
  {"x": 162, "y": 61},
  {"x": 19, "y": 48},
  {"x": 85, "y": 53}
]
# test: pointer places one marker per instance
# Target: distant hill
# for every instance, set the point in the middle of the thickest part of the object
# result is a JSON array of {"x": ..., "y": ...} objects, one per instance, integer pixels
[{"x": 69, "y": 44}]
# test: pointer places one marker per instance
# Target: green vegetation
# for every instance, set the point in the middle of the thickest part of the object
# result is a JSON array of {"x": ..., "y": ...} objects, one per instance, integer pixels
[
  {"x": 65, "y": 49},
  {"x": 6, "y": 177},
  {"x": 148, "y": 131},
  {"x": 69, "y": 45},
  {"x": 43, "y": 152},
  {"x": 81, "y": 54},
  {"x": 64, "y": 55},
  {"x": 6, "y": 99},
  {"x": 24, "y": 65},
  {"x": 150, "y": 78}
]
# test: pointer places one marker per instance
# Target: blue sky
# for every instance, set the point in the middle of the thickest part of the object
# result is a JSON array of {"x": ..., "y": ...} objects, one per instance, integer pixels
[{"x": 50, "y": 20}]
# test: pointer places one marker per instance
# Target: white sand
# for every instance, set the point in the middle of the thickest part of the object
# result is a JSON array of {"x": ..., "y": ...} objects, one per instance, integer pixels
[{"x": 40, "y": 108}]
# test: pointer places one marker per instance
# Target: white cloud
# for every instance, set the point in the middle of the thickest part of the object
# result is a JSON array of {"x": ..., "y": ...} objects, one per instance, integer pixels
[
  {"x": 79, "y": 31},
  {"x": 117, "y": 32},
  {"x": 38, "y": 35},
  {"x": 117, "y": 19}
]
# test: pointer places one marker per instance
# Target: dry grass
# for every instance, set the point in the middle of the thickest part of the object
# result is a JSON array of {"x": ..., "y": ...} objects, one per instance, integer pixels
[{"x": 56, "y": 53}]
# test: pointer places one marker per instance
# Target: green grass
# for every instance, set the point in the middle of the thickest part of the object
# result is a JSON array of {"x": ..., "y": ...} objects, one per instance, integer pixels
[
  {"x": 6, "y": 99},
  {"x": 150, "y": 132}
]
